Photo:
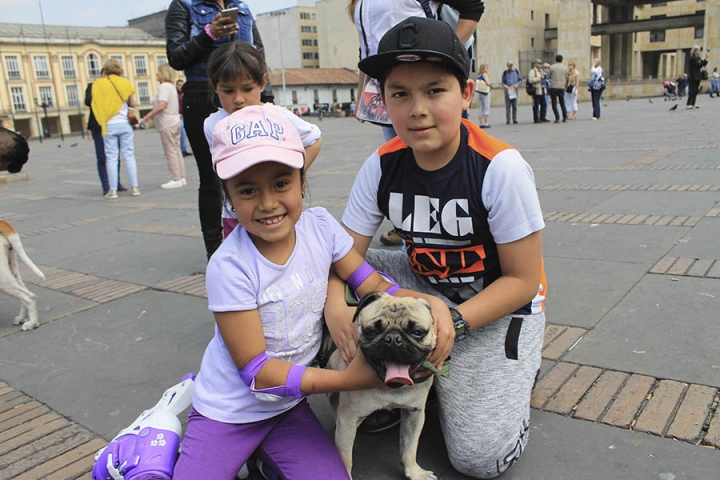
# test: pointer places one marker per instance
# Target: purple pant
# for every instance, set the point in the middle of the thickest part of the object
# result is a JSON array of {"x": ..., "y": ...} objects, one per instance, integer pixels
[{"x": 293, "y": 444}]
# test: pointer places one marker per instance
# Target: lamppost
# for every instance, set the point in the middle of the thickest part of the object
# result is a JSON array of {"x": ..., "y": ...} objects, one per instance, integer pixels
[
  {"x": 277, "y": 15},
  {"x": 46, "y": 121}
]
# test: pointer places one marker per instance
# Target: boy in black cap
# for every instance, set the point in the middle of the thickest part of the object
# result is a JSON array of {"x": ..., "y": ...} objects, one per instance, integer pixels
[{"x": 467, "y": 207}]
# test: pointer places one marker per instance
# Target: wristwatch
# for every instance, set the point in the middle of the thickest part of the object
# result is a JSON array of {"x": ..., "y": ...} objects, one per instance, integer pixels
[{"x": 462, "y": 327}]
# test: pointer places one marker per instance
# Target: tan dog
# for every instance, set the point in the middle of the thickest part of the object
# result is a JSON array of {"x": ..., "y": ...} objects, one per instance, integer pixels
[
  {"x": 395, "y": 335},
  {"x": 10, "y": 280}
]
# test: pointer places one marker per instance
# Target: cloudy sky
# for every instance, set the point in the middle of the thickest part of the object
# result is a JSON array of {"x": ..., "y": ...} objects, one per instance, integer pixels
[{"x": 100, "y": 13}]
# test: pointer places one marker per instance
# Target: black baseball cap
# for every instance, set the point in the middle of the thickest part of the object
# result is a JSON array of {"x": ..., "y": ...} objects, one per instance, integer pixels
[{"x": 418, "y": 39}]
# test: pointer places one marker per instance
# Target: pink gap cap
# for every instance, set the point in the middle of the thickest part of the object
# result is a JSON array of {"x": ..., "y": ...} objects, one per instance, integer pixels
[{"x": 254, "y": 135}]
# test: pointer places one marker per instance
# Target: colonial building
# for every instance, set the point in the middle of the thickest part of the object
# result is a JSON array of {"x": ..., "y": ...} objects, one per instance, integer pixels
[
  {"x": 45, "y": 70},
  {"x": 314, "y": 87}
]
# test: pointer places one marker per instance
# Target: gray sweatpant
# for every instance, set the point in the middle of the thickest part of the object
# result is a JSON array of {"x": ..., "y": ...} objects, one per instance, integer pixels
[{"x": 484, "y": 405}]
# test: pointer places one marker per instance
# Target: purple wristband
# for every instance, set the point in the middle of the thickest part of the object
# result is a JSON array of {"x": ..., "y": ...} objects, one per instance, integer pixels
[
  {"x": 209, "y": 33},
  {"x": 293, "y": 381},
  {"x": 360, "y": 275},
  {"x": 392, "y": 289}
]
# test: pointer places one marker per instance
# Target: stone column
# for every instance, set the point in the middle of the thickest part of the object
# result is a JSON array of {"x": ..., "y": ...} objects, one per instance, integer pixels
[{"x": 712, "y": 29}]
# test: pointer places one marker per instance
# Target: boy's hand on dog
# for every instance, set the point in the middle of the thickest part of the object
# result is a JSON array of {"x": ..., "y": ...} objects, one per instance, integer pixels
[{"x": 445, "y": 333}]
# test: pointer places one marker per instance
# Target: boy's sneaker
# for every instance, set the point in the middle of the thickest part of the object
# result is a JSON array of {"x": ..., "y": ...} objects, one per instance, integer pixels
[
  {"x": 184, "y": 182},
  {"x": 172, "y": 184},
  {"x": 391, "y": 238},
  {"x": 135, "y": 192},
  {"x": 111, "y": 194}
]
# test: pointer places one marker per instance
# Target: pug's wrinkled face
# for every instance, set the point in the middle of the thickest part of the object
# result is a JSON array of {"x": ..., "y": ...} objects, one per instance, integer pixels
[{"x": 396, "y": 334}]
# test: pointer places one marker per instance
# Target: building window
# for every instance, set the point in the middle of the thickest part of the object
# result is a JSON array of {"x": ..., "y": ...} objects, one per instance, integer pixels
[
  {"x": 12, "y": 66},
  {"x": 334, "y": 95},
  {"x": 657, "y": 36},
  {"x": 93, "y": 65},
  {"x": 658, "y": 4},
  {"x": 71, "y": 93},
  {"x": 699, "y": 32},
  {"x": 46, "y": 96},
  {"x": 304, "y": 16},
  {"x": 307, "y": 55},
  {"x": 314, "y": 29},
  {"x": 161, "y": 60},
  {"x": 294, "y": 97},
  {"x": 305, "y": 29},
  {"x": 532, "y": 14},
  {"x": 307, "y": 42},
  {"x": 41, "y": 66},
  {"x": 140, "y": 66},
  {"x": 18, "y": 99},
  {"x": 68, "y": 66},
  {"x": 143, "y": 92}
]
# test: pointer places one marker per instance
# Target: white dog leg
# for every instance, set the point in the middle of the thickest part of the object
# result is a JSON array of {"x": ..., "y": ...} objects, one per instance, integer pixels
[
  {"x": 345, "y": 429},
  {"x": 410, "y": 428}
]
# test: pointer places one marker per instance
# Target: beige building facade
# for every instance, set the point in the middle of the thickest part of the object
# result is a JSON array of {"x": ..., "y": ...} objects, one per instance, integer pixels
[
  {"x": 625, "y": 35},
  {"x": 46, "y": 69}
]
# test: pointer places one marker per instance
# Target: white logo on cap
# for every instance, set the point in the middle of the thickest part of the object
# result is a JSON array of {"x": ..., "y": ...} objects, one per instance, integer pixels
[
  {"x": 255, "y": 128},
  {"x": 408, "y": 57}
]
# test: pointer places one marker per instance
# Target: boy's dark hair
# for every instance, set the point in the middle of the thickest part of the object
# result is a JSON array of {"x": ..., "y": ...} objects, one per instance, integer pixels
[
  {"x": 234, "y": 60},
  {"x": 559, "y": 58},
  {"x": 419, "y": 39}
]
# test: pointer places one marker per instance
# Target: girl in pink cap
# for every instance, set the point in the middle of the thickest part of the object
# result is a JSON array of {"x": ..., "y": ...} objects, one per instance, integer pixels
[{"x": 266, "y": 286}]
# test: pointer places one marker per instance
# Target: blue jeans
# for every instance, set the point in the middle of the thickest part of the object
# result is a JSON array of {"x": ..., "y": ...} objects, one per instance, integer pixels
[
  {"x": 122, "y": 134},
  {"x": 183, "y": 136}
]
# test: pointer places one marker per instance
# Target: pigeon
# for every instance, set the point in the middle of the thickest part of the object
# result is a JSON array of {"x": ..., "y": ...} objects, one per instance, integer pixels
[
  {"x": 73, "y": 144},
  {"x": 605, "y": 104},
  {"x": 673, "y": 108},
  {"x": 627, "y": 99},
  {"x": 650, "y": 100}
]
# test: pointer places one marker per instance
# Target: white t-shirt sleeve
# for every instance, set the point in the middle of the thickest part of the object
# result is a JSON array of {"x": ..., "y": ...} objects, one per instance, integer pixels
[
  {"x": 510, "y": 196},
  {"x": 210, "y": 123},
  {"x": 309, "y": 133},
  {"x": 362, "y": 214}
]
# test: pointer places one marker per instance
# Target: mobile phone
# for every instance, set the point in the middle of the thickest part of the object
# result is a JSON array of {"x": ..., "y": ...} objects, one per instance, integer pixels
[{"x": 231, "y": 13}]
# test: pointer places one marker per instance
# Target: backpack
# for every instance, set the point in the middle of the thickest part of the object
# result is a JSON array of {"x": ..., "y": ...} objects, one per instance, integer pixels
[{"x": 530, "y": 88}]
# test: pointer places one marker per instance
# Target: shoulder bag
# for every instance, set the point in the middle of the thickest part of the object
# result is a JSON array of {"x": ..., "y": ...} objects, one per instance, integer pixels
[
  {"x": 481, "y": 86},
  {"x": 132, "y": 118}
]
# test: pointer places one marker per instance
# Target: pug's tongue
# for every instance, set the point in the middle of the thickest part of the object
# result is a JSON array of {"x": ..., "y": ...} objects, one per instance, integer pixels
[{"x": 397, "y": 373}]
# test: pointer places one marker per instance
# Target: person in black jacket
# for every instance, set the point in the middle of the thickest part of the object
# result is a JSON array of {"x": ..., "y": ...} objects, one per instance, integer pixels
[
  {"x": 96, "y": 132},
  {"x": 695, "y": 75},
  {"x": 194, "y": 29}
]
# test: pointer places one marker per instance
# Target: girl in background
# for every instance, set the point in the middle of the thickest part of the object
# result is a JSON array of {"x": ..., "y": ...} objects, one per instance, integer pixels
[{"x": 236, "y": 72}]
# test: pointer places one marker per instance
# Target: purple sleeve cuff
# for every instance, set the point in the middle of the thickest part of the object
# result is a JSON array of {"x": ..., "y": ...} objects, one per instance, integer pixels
[
  {"x": 247, "y": 374},
  {"x": 392, "y": 289}
]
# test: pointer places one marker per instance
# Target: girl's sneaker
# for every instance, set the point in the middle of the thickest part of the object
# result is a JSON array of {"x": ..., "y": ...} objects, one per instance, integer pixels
[
  {"x": 135, "y": 192},
  {"x": 111, "y": 194}
]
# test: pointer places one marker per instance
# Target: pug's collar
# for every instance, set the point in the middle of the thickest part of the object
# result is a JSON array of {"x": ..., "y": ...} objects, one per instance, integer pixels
[{"x": 462, "y": 327}]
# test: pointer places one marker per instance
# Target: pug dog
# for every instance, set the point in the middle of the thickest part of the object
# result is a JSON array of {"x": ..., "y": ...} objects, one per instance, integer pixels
[{"x": 395, "y": 335}]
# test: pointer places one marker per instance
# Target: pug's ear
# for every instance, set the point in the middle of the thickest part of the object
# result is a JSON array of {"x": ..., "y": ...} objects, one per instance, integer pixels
[{"x": 366, "y": 300}]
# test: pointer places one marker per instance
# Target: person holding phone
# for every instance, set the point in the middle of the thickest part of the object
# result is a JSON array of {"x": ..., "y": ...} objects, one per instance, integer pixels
[{"x": 194, "y": 29}]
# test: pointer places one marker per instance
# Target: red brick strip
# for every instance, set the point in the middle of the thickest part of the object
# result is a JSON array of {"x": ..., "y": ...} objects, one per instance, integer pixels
[
  {"x": 688, "y": 267},
  {"x": 661, "y": 407},
  {"x": 597, "y": 400},
  {"x": 693, "y": 412},
  {"x": 623, "y": 410}
]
